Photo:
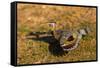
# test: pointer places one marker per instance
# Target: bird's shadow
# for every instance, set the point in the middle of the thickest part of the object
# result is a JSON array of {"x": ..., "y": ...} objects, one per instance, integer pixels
[{"x": 54, "y": 45}]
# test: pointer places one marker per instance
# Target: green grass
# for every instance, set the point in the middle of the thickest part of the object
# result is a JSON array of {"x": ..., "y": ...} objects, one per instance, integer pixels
[{"x": 34, "y": 52}]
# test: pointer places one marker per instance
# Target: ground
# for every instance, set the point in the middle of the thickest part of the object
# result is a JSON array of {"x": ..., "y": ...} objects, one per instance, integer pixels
[{"x": 32, "y": 18}]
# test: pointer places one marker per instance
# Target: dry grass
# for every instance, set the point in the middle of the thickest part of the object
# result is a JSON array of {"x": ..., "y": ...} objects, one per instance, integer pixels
[{"x": 35, "y": 18}]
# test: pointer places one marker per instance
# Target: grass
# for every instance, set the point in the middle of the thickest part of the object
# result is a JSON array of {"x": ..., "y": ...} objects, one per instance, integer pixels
[{"x": 36, "y": 18}]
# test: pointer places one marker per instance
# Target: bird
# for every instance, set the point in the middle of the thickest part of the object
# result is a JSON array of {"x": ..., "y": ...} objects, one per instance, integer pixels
[{"x": 69, "y": 40}]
